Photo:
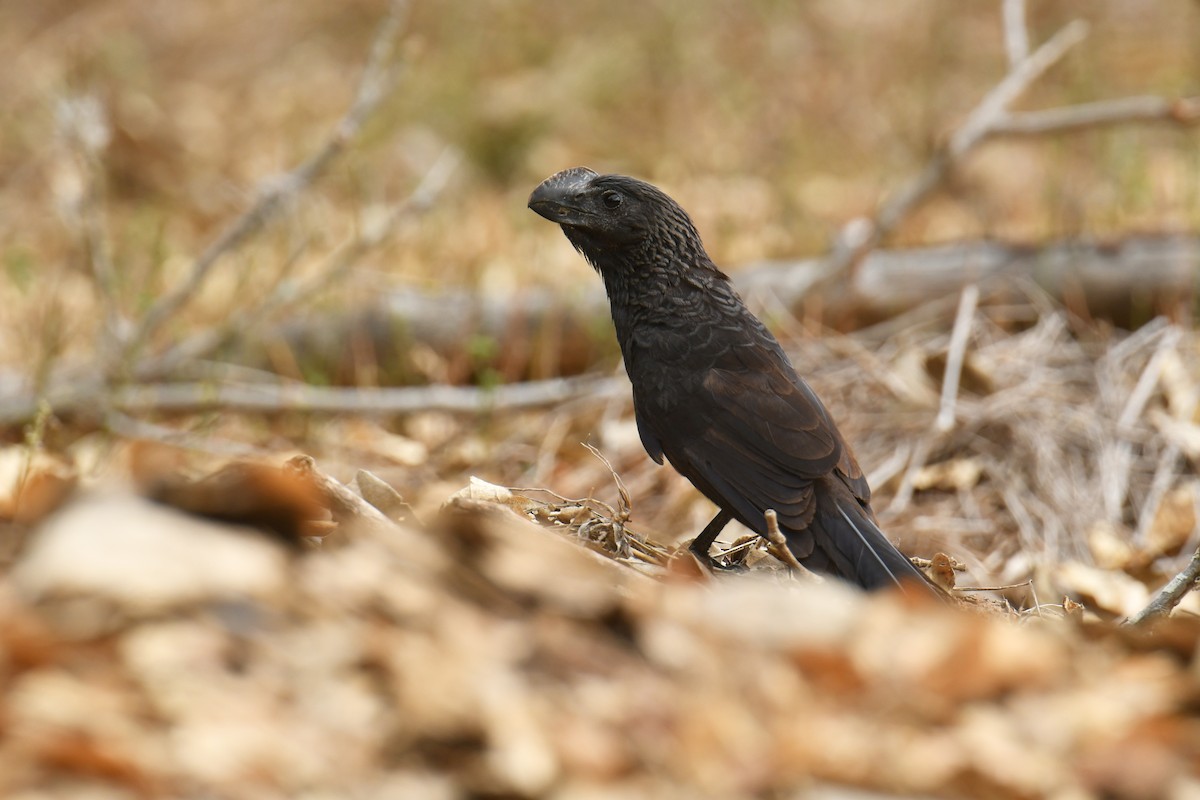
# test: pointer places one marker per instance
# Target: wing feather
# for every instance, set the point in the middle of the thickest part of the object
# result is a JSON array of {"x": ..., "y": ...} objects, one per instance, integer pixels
[{"x": 751, "y": 435}]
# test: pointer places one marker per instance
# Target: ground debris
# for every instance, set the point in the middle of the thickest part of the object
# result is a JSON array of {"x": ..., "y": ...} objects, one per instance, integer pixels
[{"x": 495, "y": 651}]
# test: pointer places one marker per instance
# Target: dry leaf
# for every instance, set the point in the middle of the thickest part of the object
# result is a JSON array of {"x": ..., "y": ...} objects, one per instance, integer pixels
[
  {"x": 1111, "y": 590},
  {"x": 1110, "y": 547},
  {"x": 1174, "y": 521},
  {"x": 949, "y": 476},
  {"x": 145, "y": 557},
  {"x": 284, "y": 502}
]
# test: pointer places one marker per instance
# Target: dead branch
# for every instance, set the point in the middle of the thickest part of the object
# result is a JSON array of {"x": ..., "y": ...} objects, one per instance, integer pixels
[
  {"x": 177, "y": 397},
  {"x": 955, "y": 356},
  {"x": 979, "y": 122},
  {"x": 1144, "y": 108},
  {"x": 1171, "y": 594},
  {"x": 1016, "y": 35},
  {"x": 990, "y": 119},
  {"x": 1164, "y": 477},
  {"x": 69, "y": 386}
]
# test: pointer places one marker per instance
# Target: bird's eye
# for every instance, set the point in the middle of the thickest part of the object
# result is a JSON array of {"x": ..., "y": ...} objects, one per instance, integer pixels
[{"x": 612, "y": 199}]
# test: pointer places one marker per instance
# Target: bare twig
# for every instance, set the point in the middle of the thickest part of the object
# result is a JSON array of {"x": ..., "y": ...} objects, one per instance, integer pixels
[
  {"x": 993, "y": 106},
  {"x": 1004, "y": 588},
  {"x": 1171, "y": 594},
  {"x": 1016, "y": 35},
  {"x": 919, "y": 455},
  {"x": 990, "y": 110},
  {"x": 302, "y": 397},
  {"x": 201, "y": 396},
  {"x": 1164, "y": 475},
  {"x": 1118, "y": 458},
  {"x": 85, "y": 129},
  {"x": 1148, "y": 379},
  {"x": 955, "y": 356},
  {"x": 1143, "y": 108},
  {"x": 377, "y": 79},
  {"x": 892, "y": 466}
]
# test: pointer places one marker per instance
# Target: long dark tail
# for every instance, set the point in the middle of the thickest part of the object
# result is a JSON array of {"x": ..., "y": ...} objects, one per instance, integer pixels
[{"x": 849, "y": 544}]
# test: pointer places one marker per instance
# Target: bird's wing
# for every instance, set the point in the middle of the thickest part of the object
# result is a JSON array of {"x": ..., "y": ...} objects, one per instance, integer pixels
[
  {"x": 649, "y": 441},
  {"x": 752, "y": 435}
]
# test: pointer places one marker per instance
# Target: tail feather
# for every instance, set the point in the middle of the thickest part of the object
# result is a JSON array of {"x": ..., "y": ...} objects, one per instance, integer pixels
[
  {"x": 867, "y": 548},
  {"x": 848, "y": 543}
]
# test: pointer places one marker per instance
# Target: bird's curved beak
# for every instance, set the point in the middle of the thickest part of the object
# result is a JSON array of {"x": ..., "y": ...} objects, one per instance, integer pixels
[{"x": 556, "y": 198}]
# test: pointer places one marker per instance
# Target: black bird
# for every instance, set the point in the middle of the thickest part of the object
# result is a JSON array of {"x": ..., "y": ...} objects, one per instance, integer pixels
[{"x": 712, "y": 389}]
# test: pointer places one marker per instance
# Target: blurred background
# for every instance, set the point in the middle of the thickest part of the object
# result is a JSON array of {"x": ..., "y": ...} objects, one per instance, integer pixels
[{"x": 773, "y": 123}]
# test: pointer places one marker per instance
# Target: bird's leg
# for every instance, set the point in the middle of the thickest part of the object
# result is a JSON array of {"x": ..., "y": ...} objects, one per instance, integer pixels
[{"x": 701, "y": 544}]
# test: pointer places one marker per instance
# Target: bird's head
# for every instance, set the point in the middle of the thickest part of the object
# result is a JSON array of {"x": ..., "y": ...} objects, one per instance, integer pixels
[{"x": 613, "y": 219}]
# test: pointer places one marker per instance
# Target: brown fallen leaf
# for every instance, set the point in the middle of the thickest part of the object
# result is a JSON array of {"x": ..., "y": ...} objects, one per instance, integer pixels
[
  {"x": 143, "y": 557},
  {"x": 279, "y": 501},
  {"x": 948, "y": 476}
]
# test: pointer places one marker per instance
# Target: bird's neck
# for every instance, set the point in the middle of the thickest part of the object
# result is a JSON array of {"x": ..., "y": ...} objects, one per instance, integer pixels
[{"x": 664, "y": 292}]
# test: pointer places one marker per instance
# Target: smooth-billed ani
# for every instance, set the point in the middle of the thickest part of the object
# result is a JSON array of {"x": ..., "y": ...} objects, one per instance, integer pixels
[{"x": 713, "y": 391}]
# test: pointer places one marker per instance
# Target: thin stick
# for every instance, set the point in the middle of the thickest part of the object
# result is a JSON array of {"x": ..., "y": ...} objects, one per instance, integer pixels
[
  {"x": 994, "y": 105},
  {"x": 956, "y": 354},
  {"x": 1164, "y": 476},
  {"x": 1016, "y": 36},
  {"x": 1023, "y": 584},
  {"x": 1142, "y": 108},
  {"x": 919, "y": 455},
  {"x": 977, "y": 126},
  {"x": 1144, "y": 387},
  {"x": 200, "y": 396},
  {"x": 1118, "y": 454},
  {"x": 84, "y": 127},
  {"x": 303, "y": 397},
  {"x": 1171, "y": 594},
  {"x": 738, "y": 549}
]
